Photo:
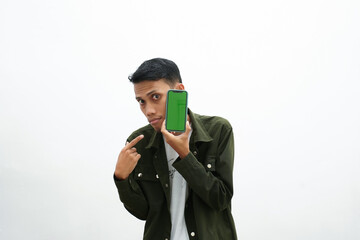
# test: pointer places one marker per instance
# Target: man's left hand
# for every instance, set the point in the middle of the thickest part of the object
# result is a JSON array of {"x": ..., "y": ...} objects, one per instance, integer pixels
[{"x": 179, "y": 142}]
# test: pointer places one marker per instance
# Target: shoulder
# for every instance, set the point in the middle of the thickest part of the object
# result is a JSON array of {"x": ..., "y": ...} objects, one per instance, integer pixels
[
  {"x": 215, "y": 130},
  {"x": 147, "y": 130},
  {"x": 213, "y": 122}
]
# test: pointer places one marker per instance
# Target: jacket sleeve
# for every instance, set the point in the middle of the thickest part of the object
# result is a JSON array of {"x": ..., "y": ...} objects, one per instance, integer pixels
[
  {"x": 132, "y": 197},
  {"x": 214, "y": 187},
  {"x": 131, "y": 194}
]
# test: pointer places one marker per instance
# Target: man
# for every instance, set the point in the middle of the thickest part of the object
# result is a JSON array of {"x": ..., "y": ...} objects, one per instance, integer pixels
[{"x": 181, "y": 184}]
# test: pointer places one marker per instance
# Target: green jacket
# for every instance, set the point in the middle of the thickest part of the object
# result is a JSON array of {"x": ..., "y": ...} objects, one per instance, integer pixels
[{"x": 208, "y": 170}]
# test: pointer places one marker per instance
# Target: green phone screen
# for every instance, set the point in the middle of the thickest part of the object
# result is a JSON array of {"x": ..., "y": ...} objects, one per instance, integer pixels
[{"x": 176, "y": 110}]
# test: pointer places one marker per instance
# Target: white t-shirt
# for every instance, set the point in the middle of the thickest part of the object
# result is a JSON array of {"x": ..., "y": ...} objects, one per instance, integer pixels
[{"x": 179, "y": 194}]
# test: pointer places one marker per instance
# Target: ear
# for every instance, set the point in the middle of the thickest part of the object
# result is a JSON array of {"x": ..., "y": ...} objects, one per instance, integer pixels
[{"x": 180, "y": 86}]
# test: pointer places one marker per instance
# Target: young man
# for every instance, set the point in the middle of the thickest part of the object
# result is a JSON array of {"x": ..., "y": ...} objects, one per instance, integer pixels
[{"x": 181, "y": 184}]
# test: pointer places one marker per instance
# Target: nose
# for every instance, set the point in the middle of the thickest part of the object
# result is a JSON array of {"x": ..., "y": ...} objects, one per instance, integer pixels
[{"x": 149, "y": 110}]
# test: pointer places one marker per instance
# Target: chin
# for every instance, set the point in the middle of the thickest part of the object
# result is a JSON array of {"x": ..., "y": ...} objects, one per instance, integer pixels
[{"x": 157, "y": 127}]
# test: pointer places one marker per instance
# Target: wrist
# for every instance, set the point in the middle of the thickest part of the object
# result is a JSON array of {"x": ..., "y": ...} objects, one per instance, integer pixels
[
  {"x": 119, "y": 176},
  {"x": 184, "y": 154}
]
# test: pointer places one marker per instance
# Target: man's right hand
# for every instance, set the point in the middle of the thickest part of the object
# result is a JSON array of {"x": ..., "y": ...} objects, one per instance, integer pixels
[{"x": 127, "y": 159}]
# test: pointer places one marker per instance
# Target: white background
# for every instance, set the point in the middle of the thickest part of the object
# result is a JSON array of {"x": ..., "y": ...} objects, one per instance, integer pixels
[{"x": 286, "y": 74}]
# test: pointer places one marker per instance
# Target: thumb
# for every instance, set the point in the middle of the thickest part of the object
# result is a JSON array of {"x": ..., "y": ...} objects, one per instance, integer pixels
[{"x": 188, "y": 128}]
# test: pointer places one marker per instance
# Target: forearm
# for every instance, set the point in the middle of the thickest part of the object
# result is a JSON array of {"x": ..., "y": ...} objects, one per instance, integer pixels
[{"x": 214, "y": 190}]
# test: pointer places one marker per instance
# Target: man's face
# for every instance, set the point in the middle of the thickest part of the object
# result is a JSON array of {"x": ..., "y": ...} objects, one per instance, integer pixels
[{"x": 151, "y": 96}]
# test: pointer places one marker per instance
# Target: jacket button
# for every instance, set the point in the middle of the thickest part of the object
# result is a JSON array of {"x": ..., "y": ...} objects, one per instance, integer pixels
[
  {"x": 209, "y": 165},
  {"x": 195, "y": 153},
  {"x": 166, "y": 185},
  {"x": 140, "y": 175},
  {"x": 192, "y": 234},
  {"x": 157, "y": 176}
]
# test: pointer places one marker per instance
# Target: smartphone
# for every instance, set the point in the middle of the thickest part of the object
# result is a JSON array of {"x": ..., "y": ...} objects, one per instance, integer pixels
[{"x": 176, "y": 110}]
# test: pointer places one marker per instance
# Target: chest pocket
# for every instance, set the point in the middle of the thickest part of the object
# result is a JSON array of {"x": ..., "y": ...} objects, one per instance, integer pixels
[
  {"x": 209, "y": 164},
  {"x": 146, "y": 173},
  {"x": 149, "y": 182}
]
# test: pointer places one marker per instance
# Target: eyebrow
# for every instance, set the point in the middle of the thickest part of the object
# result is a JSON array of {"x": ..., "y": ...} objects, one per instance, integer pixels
[{"x": 149, "y": 93}]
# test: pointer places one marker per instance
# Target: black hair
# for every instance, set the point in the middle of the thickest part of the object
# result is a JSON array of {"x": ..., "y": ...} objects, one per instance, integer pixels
[{"x": 156, "y": 69}]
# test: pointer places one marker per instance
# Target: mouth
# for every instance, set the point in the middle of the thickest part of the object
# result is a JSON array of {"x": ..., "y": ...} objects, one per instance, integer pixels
[{"x": 154, "y": 121}]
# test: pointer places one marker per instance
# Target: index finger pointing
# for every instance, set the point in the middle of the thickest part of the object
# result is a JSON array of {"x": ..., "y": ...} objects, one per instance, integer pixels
[{"x": 134, "y": 141}]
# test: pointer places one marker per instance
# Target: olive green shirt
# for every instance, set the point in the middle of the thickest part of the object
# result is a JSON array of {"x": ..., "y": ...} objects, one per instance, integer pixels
[{"x": 208, "y": 170}]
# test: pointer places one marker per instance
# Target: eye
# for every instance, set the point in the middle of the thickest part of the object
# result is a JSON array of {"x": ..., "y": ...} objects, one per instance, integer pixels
[
  {"x": 156, "y": 96},
  {"x": 141, "y": 102}
]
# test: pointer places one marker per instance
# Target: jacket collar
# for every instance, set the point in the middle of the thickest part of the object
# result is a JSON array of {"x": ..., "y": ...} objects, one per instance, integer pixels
[
  {"x": 199, "y": 133},
  {"x": 154, "y": 142}
]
